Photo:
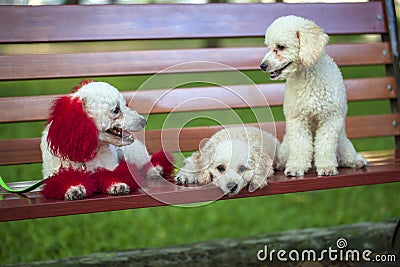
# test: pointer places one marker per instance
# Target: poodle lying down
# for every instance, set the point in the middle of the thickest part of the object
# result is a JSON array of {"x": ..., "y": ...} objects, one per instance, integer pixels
[
  {"x": 231, "y": 159},
  {"x": 315, "y": 104},
  {"x": 88, "y": 145}
]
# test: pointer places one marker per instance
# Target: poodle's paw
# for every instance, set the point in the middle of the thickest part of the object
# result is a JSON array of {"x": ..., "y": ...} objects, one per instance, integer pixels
[
  {"x": 155, "y": 172},
  {"x": 185, "y": 177},
  {"x": 118, "y": 189},
  {"x": 75, "y": 192},
  {"x": 254, "y": 185},
  {"x": 327, "y": 171},
  {"x": 295, "y": 171},
  {"x": 359, "y": 162}
]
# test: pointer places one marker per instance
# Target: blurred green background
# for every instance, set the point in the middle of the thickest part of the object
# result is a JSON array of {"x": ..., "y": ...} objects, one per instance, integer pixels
[{"x": 52, "y": 238}]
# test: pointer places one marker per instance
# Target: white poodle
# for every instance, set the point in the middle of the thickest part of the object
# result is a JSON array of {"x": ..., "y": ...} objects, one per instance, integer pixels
[
  {"x": 231, "y": 159},
  {"x": 88, "y": 144},
  {"x": 315, "y": 104}
]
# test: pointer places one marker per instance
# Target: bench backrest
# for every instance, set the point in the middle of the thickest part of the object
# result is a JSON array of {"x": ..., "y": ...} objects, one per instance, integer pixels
[{"x": 47, "y": 49}]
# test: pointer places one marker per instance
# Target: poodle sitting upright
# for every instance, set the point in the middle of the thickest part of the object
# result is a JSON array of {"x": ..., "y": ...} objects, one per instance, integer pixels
[
  {"x": 83, "y": 146},
  {"x": 231, "y": 159},
  {"x": 315, "y": 104}
]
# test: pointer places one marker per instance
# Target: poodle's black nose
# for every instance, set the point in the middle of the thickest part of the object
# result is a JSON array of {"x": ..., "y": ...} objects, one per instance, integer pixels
[
  {"x": 143, "y": 123},
  {"x": 232, "y": 187},
  {"x": 264, "y": 66}
]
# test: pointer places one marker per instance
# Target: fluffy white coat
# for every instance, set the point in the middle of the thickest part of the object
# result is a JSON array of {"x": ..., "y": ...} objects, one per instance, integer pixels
[
  {"x": 315, "y": 104},
  {"x": 231, "y": 159}
]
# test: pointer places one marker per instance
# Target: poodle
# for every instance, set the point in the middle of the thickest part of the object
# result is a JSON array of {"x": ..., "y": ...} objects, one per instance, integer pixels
[
  {"x": 315, "y": 103},
  {"x": 231, "y": 159},
  {"x": 83, "y": 146}
]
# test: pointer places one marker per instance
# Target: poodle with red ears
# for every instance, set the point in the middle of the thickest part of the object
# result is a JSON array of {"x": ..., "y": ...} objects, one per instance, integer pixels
[{"x": 88, "y": 145}]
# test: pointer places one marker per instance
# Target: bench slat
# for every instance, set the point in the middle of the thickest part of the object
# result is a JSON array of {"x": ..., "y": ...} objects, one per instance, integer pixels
[
  {"x": 36, "y": 108},
  {"x": 122, "y": 22},
  {"x": 33, "y": 205},
  {"x": 14, "y": 67},
  {"x": 188, "y": 139},
  {"x": 243, "y": 96},
  {"x": 19, "y": 151}
]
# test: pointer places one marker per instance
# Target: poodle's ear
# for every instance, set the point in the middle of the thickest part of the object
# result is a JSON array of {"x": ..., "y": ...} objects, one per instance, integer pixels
[
  {"x": 72, "y": 134},
  {"x": 312, "y": 42},
  {"x": 204, "y": 177},
  {"x": 263, "y": 170},
  {"x": 202, "y": 163}
]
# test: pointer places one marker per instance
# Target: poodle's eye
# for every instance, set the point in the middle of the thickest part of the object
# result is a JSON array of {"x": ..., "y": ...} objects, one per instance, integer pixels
[
  {"x": 221, "y": 168},
  {"x": 280, "y": 47},
  {"x": 116, "y": 110},
  {"x": 242, "y": 169}
]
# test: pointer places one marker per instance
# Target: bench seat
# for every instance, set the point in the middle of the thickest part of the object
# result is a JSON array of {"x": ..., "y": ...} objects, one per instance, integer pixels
[
  {"x": 384, "y": 167},
  {"x": 55, "y": 45}
]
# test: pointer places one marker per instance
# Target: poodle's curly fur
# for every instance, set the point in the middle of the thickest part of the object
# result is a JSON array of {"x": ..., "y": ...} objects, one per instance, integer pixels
[
  {"x": 88, "y": 145},
  {"x": 315, "y": 104},
  {"x": 231, "y": 159}
]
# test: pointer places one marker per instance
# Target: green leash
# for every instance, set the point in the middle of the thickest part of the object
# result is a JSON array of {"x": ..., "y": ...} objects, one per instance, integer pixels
[{"x": 25, "y": 190}]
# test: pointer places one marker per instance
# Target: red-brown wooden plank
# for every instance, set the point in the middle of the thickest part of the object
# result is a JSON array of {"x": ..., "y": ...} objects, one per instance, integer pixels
[
  {"x": 36, "y": 108},
  {"x": 19, "y": 151},
  {"x": 188, "y": 139},
  {"x": 25, "y": 108},
  {"x": 15, "y": 67},
  {"x": 244, "y": 96},
  {"x": 35, "y": 206},
  {"x": 16, "y": 151},
  {"x": 371, "y": 88},
  {"x": 121, "y": 22}
]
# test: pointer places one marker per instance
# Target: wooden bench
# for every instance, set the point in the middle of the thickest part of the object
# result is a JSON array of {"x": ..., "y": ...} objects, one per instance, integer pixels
[{"x": 47, "y": 43}]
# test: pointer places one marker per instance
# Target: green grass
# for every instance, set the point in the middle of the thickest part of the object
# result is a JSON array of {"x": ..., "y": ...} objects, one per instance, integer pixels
[{"x": 51, "y": 238}]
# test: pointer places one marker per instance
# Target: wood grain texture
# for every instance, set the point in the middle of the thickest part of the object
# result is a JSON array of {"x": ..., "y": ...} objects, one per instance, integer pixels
[
  {"x": 36, "y": 66},
  {"x": 33, "y": 205},
  {"x": 20, "y": 151},
  {"x": 188, "y": 139},
  {"x": 36, "y": 108},
  {"x": 123, "y": 22}
]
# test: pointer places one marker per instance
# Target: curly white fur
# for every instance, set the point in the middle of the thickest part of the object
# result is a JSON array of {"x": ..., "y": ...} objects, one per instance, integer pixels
[
  {"x": 315, "y": 103},
  {"x": 107, "y": 107},
  {"x": 231, "y": 159}
]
